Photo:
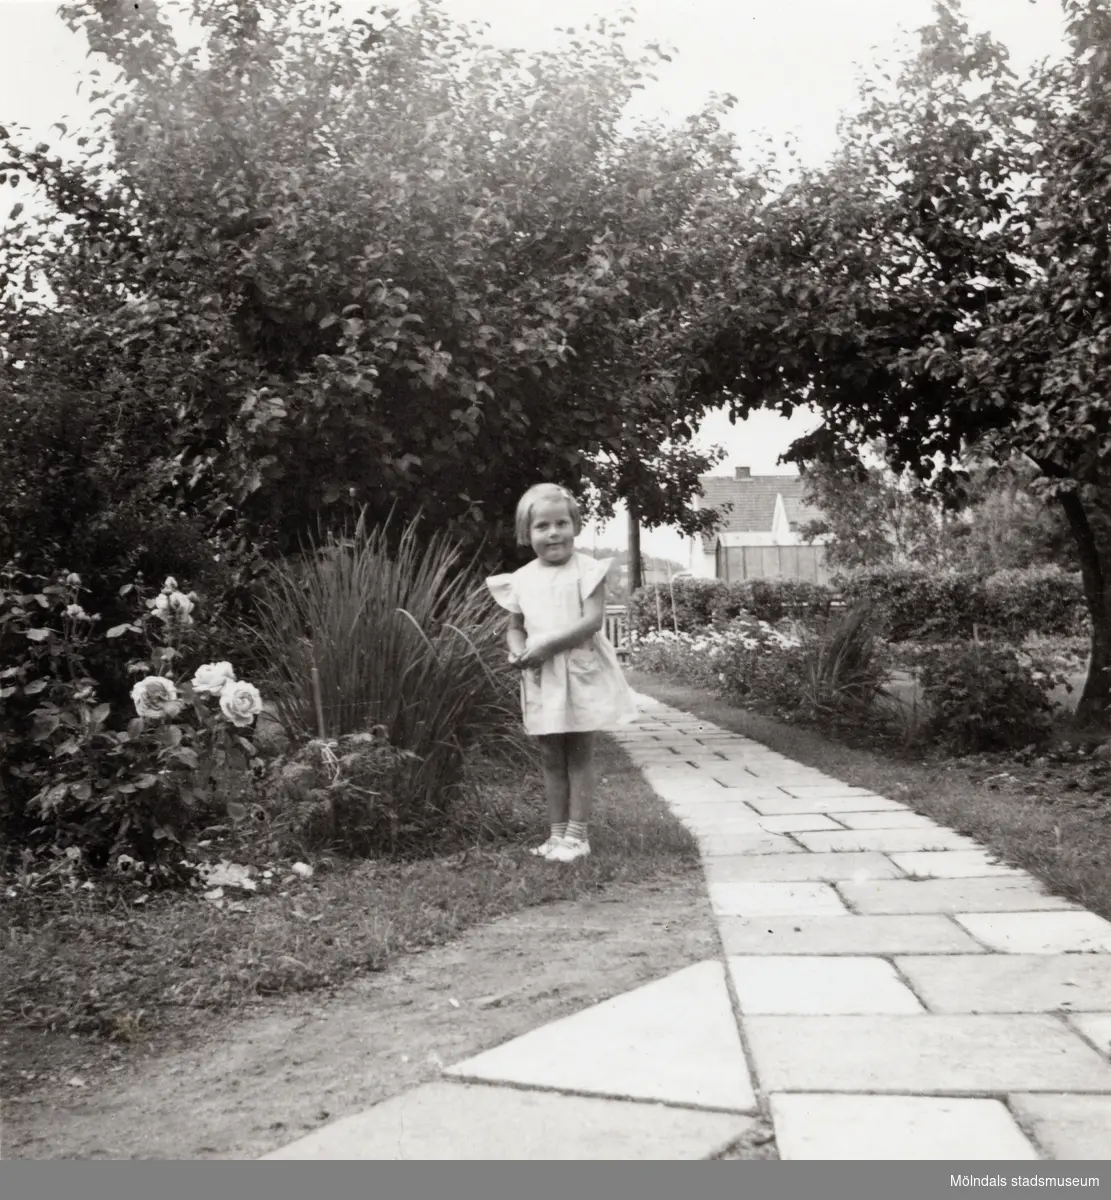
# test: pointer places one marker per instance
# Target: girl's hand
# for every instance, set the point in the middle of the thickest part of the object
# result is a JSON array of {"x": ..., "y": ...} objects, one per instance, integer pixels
[{"x": 532, "y": 657}]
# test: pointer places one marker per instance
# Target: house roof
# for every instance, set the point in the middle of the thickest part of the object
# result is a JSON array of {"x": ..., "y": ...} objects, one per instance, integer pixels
[{"x": 753, "y": 501}]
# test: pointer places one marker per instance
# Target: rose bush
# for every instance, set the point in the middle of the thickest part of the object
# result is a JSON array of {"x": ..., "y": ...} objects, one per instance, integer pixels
[{"x": 70, "y": 774}]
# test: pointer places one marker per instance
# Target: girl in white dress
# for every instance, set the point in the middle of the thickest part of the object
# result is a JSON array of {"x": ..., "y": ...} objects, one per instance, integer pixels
[{"x": 571, "y": 681}]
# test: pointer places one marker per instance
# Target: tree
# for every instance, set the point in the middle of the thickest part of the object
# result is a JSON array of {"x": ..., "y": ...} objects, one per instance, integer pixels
[
  {"x": 313, "y": 265},
  {"x": 871, "y": 516},
  {"x": 941, "y": 285}
]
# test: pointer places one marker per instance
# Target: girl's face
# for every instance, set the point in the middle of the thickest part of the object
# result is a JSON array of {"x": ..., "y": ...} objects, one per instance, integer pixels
[{"x": 552, "y": 532}]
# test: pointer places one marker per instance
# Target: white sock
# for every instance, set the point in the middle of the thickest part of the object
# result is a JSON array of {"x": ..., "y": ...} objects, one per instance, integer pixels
[
  {"x": 576, "y": 831},
  {"x": 558, "y": 831}
]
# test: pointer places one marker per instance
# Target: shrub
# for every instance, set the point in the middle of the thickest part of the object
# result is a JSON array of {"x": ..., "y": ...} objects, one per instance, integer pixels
[
  {"x": 1034, "y": 600},
  {"x": 916, "y": 604},
  {"x": 86, "y": 775},
  {"x": 410, "y": 643},
  {"x": 772, "y": 600},
  {"x": 922, "y": 605},
  {"x": 651, "y": 607},
  {"x": 984, "y": 696},
  {"x": 846, "y": 666}
]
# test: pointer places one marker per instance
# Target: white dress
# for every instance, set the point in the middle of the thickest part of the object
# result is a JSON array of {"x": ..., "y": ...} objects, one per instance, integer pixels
[{"x": 575, "y": 691}]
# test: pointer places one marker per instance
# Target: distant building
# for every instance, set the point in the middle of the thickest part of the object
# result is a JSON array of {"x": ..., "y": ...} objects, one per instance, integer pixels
[{"x": 759, "y": 536}]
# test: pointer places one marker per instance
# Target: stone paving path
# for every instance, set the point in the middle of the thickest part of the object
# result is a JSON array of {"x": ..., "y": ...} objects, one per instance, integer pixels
[{"x": 886, "y": 990}]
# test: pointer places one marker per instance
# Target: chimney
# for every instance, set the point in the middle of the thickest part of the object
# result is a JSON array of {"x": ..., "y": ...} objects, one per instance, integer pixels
[{"x": 742, "y": 473}]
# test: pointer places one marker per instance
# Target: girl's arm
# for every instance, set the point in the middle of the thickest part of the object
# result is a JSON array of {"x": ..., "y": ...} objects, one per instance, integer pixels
[
  {"x": 593, "y": 618},
  {"x": 516, "y": 635}
]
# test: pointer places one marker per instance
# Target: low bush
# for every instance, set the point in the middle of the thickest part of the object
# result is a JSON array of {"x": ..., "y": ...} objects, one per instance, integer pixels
[
  {"x": 407, "y": 643},
  {"x": 846, "y": 666},
  {"x": 98, "y": 779},
  {"x": 983, "y": 696}
]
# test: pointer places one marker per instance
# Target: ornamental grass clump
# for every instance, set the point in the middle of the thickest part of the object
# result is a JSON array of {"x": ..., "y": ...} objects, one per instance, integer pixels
[{"x": 406, "y": 642}]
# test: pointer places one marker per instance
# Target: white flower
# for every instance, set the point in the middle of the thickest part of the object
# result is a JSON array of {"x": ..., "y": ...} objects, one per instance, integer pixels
[
  {"x": 211, "y": 678},
  {"x": 76, "y": 612},
  {"x": 73, "y": 579},
  {"x": 240, "y": 702},
  {"x": 170, "y": 585},
  {"x": 176, "y": 604},
  {"x": 155, "y": 697}
]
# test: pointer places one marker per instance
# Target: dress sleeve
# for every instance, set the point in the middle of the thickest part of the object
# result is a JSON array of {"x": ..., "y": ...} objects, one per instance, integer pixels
[
  {"x": 594, "y": 572},
  {"x": 504, "y": 590}
]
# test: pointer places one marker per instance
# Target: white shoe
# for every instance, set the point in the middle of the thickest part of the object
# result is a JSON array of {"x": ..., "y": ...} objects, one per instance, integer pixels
[
  {"x": 545, "y": 849},
  {"x": 569, "y": 850}
]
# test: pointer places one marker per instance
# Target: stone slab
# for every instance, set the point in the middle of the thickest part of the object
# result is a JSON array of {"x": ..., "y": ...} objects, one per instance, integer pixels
[
  {"x": 459, "y": 1121},
  {"x": 758, "y": 899},
  {"x": 794, "y": 822},
  {"x": 887, "y": 820},
  {"x": 714, "y": 845},
  {"x": 790, "y": 868},
  {"x": 1096, "y": 1027},
  {"x": 823, "y": 789},
  {"x": 1011, "y": 983},
  {"x": 953, "y": 864},
  {"x": 1074, "y": 1128},
  {"x": 903, "y": 1128},
  {"x": 1040, "y": 932},
  {"x": 819, "y": 985},
  {"x": 633, "y": 1047},
  {"x": 781, "y": 805},
  {"x": 982, "y": 894},
  {"x": 845, "y": 935},
  {"x": 887, "y": 841},
  {"x": 923, "y": 1054},
  {"x": 723, "y": 825}
]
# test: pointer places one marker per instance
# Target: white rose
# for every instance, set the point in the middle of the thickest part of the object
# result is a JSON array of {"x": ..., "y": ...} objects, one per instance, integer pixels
[
  {"x": 211, "y": 678},
  {"x": 173, "y": 603},
  {"x": 155, "y": 697},
  {"x": 240, "y": 702}
]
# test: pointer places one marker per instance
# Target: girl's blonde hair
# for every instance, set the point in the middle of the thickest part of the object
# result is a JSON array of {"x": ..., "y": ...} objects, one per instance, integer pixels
[{"x": 534, "y": 496}]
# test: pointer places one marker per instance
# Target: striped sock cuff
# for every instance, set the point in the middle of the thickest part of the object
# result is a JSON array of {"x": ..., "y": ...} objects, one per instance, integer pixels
[
  {"x": 576, "y": 830},
  {"x": 558, "y": 831}
]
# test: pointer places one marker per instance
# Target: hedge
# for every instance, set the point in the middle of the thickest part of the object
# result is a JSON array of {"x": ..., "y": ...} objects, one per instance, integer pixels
[
  {"x": 700, "y": 603},
  {"x": 917, "y": 603},
  {"x": 920, "y": 604}
]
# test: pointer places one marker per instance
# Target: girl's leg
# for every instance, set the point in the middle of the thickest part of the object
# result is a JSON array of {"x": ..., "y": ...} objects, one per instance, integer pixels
[
  {"x": 580, "y": 771},
  {"x": 553, "y": 764}
]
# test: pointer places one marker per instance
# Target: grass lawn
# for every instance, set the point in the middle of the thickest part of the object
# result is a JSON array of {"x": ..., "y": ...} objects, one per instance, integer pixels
[
  {"x": 93, "y": 961},
  {"x": 1052, "y": 818}
]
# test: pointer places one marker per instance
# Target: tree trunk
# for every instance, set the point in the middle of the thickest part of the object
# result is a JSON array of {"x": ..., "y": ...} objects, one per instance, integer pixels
[
  {"x": 636, "y": 573},
  {"x": 1095, "y": 570}
]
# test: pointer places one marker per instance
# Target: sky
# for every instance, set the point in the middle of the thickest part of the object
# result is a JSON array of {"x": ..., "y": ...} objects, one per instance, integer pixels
[{"x": 793, "y": 65}]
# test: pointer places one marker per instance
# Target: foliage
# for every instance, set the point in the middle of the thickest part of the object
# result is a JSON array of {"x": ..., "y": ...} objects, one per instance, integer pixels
[
  {"x": 772, "y": 600},
  {"x": 408, "y": 642},
  {"x": 846, "y": 666},
  {"x": 747, "y": 661},
  {"x": 920, "y": 605},
  {"x": 984, "y": 696},
  {"x": 314, "y": 265},
  {"x": 870, "y": 515},
  {"x": 700, "y": 603},
  {"x": 683, "y": 606},
  {"x": 940, "y": 285},
  {"x": 76, "y": 771},
  {"x": 1039, "y": 600}
]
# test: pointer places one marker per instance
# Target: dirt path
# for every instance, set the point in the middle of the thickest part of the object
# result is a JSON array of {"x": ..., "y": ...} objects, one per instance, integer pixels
[{"x": 240, "y": 1086}]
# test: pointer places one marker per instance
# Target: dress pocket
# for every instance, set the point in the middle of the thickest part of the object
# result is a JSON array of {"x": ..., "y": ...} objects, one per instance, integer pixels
[{"x": 583, "y": 660}]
